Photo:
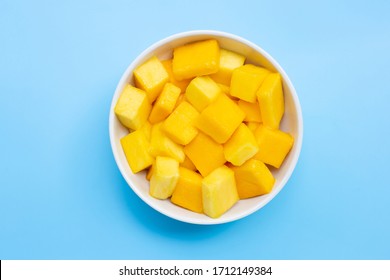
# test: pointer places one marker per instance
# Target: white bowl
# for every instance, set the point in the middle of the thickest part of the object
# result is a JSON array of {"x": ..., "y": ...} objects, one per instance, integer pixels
[{"x": 291, "y": 123}]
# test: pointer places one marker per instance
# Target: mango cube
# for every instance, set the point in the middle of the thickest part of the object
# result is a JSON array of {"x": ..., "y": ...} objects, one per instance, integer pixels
[
  {"x": 253, "y": 126},
  {"x": 132, "y": 107},
  {"x": 219, "y": 192},
  {"x": 201, "y": 92},
  {"x": 188, "y": 190},
  {"x": 228, "y": 61},
  {"x": 180, "y": 84},
  {"x": 165, "y": 103},
  {"x": 246, "y": 80},
  {"x": 164, "y": 177},
  {"x": 271, "y": 100},
  {"x": 149, "y": 172},
  {"x": 146, "y": 129},
  {"x": 253, "y": 178},
  {"x": 195, "y": 59},
  {"x": 220, "y": 119},
  {"x": 136, "y": 148},
  {"x": 251, "y": 110},
  {"x": 151, "y": 76},
  {"x": 205, "y": 153},
  {"x": 162, "y": 145},
  {"x": 179, "y": 126},
  {"x": 274, "y": 145},
  {"x": 241, "y": 146},
  {"x": 187, "y": 163}
]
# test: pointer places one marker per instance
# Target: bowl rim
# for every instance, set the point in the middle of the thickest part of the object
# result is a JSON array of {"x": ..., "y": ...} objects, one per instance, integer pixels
[{"x": 297, "y": 142}]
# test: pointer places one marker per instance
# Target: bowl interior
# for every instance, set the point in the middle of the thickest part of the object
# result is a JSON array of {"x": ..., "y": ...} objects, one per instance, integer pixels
[{"x": 291, "y": 123}]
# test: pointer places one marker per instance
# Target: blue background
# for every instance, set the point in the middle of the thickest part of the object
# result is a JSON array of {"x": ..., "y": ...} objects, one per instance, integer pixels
[{"x": 62, "y": 195}]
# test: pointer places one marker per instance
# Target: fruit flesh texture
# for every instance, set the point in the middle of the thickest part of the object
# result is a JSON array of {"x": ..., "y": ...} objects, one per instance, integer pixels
[
  {"x": 271, "y": 100},
  {"x": 164, "y": 177},
  {"x": 135, "y": 146},
  {"x": 274, "y": 145},
  {"x": 205, "y": 153},
  {"x": 246, "y": 80},
  {"x": 228, "y": 61},
  {"x": 132, "y": 107},
  {"x": 165, "y": 103},
  {"x": 162, "y": 145},
  {"x": 180, "y": 84},
  {"x": 187, "y": 163},
  {"x": 195, "y": 59},
  {"x": 220, "y": 119},
  {"x": 253, "y": 178},
  {"x": 241, "y": 146},
  {"x": 251, "y": 110},
  {"x": 201, "y": 92},
  {"x": 179, "y": 126},
  {"x": 219, "y": 192},
  {"x": 151, "y": 76},
  {"x": 188, "y": 190}
]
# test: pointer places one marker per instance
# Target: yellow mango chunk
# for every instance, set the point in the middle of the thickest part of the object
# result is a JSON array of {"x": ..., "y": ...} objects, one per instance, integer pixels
[
  {"x": 180, "y": 84},
  {"x": 253, "y": 178},
  {"x": 136, "y": 148},
  {"x": 164, "y": 177},
  {"x": 246, "y": 80},
  {"x": 201, "y": 92},
  {"x": 271, "y": 100},
  {"x": 241, "y": 146},
  {"x": 220, "y": 119},
  {"x": 165, "y": 103},
  {"x": 195, "y": 59},
  {"x": 179, "y": 126},
  {"x": 251, "y": 110},
  {"x": 187, "y": 163},
  {"x": 132, "y": 107},
  {"x": 150, "y": 172},
  {"x": 228, "y": 61},
  {"x": 274, "y": 145},
  {"x": 146, "y": 129},
  {"x": 205, "y": 153},
  {"x": 219, "y": 192},
  {"x": 151, "y": 76},
  {"x": 188, "y": 191},
  {"x": 253, "y": 126},
  {"x": 162, "y": 145}
]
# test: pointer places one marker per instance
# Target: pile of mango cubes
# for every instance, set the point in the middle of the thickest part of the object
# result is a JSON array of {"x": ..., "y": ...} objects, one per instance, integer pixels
[{"x": 205, "y": 126}]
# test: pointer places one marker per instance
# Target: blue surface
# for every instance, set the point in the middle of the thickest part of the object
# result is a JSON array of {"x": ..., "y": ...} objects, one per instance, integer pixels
[{"x": 62, "y": 195}]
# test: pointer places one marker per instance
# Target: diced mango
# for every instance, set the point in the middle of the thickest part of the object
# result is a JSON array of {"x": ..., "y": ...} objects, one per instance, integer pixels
[
  {"x": 179, "y": 126},
  {"x": 165, "y": 103},
  {"x": 241, "y": 146},
  {"x": 205, "y": 153},
  {"x": 164, "y": 177},
  {"x": 136, "y": 148},
  {"x": 219, "y": 192},
  {"x": 188, "y": 190},
  {"x": 146, "y": 129},
  {"x": 151, "y": 76},
  {"x": 253, "y": 126},
  {"x": 246, "y": 80},
  {"x": 220, "y": 119},
  {"x": 251, "y": 110},
  {"x": 180, "y": 99},
  {"x": 195, "y": 59},
  {"x": 228, "y": 61},
  {"x": 253, "y": 178},
  {"x": 162, "y": 145},
  {"x": 271, "y": 100},
  {"x": 149, "y": 172},
  {"x": 132, "y": 107},
  {"x": 274, "y": 145},
  {"x": 201, "y": 92},
  {"x": 187, "y": 163},
  {"x": 180, "y": 84}
]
